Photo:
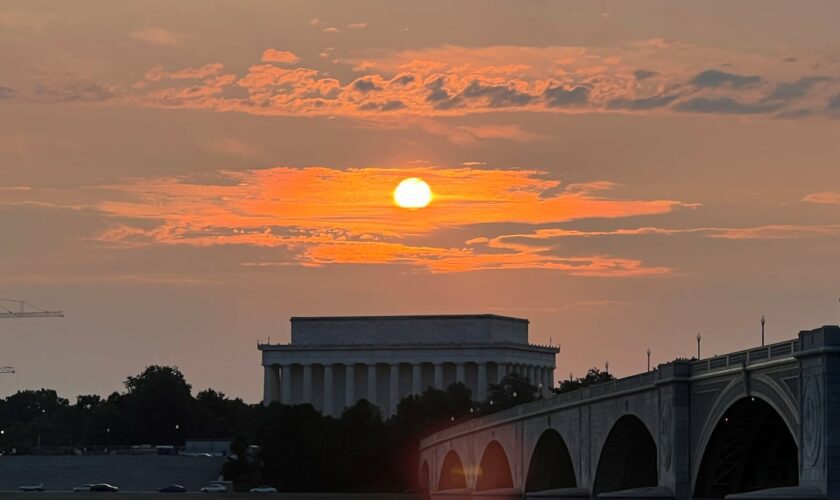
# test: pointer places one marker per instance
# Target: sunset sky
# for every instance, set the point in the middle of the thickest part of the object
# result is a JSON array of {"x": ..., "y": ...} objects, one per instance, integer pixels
[{"x": 182, "y": 177}]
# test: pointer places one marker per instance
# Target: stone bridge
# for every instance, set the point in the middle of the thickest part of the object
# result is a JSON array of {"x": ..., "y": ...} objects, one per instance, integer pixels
[{"x": 760, "y": 423}]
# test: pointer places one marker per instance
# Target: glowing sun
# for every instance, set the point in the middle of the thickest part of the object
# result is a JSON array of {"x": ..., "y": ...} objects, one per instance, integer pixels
[{"x": 413, "y": 193}]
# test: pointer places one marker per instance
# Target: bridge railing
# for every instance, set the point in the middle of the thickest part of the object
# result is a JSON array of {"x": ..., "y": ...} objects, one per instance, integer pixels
[
  {"x": 557, "y": 400},
  {"x": 747, "y": 357}
]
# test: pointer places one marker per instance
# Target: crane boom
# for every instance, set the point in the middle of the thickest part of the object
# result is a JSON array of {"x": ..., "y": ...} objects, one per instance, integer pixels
[
  {"x": 31, "y": 314},
  {"x": 22, "y": 312}
]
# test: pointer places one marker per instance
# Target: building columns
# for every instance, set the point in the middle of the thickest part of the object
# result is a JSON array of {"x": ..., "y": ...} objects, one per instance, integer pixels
[
  {"x": 307, "y": 384},
  {"x": 286, "y": 381},
  {"x": 328, "y": 390},
  {"x": 439, "y": 376},
  {"x": 349, "y": 385},
  {"x": 271, "y": 384},
  {"x": 371, "y": 384},
  {"x": 460, "y": 373},
  {"x": 416, "y": 378},
  {"x": 501, "y": 371},
  {"x": 481, "y": 390},
  {"x": 394, "y": 388}
]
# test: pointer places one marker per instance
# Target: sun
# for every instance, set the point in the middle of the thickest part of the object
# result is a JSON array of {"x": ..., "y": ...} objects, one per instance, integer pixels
[{"x": 413, "y": 193}]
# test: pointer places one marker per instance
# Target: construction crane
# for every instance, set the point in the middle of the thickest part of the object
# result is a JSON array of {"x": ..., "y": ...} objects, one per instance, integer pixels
[{"x": 22, "y": 312}]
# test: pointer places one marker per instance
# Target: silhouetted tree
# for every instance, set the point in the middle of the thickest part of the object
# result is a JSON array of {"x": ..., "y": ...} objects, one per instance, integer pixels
[
  {"x": 159, "y": 407},
  {"x": 512, "y": 390},
  {"x": 593, "y": 376}
]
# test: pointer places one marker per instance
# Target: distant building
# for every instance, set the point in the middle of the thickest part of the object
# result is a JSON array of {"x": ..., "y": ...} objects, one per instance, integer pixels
[{"x": 332, "y": 362}]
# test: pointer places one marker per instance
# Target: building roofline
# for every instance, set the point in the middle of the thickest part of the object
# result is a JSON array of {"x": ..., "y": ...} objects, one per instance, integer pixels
[
  {"x": 417, "y": 316},
  {"x": 404, "y": 346}
]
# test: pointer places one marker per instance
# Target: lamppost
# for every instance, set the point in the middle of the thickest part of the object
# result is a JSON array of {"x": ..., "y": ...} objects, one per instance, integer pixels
[
  {"x": 762, "y": 329},
  {"x": 607, "y": 367},
  {"x": 698, "y": 345},
  {"x": 648, "y": 354}
]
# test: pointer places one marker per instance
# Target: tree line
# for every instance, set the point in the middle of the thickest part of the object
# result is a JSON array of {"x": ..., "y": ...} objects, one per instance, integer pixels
[{"x": 299, "y": 448}]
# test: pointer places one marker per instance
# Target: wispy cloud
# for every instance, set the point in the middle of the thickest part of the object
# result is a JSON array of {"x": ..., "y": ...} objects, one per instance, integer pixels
[
  {"x": 157, "y": 35},
  {"x": 823, "y": 198}
]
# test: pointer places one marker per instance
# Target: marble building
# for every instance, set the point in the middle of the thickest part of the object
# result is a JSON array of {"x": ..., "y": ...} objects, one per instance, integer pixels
[{"x": 331, "y": 362}]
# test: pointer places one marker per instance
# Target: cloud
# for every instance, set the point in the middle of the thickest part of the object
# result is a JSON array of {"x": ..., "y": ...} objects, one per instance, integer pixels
[
  {"x": 726, "y": 105},
  {"x": 157, "y": 36},
  {"x": 279, "y": 56},
  {"x": 366, "y": 85},
  {"x": 560, "y": 97},
  {"x": 73, "y": 91},
  {"x": 232, "y": 146},
  {"x": 326, "y": 216},
  {"x": 7, "y": 93},
  {"x": 641, "y": 74},
  {"x": 715, "y": 78},
  {"x": 356, "y": 26},
  {"x": 331, "y": 29},
  {"x": 457, "y": 81},
  {"x": 823, "y": 198},
  {"x": 653, "y": 102}
]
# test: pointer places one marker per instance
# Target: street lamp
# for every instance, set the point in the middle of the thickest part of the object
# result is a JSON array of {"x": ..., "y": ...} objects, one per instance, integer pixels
[
  {"x": 607, "y": 367},
  {"x": 698, "y": 344},
  {"x": 648, "y": 354},
  {"x": 762, "y": 329}
]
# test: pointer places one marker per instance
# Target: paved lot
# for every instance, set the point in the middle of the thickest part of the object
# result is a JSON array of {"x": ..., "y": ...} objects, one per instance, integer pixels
[
  {"x": 53, "y": 495},
  {"x": 128, "y": 472}
]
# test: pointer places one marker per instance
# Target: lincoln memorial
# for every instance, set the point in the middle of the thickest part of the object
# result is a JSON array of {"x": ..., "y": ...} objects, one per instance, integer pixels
[{"x": 332, "y": 362}]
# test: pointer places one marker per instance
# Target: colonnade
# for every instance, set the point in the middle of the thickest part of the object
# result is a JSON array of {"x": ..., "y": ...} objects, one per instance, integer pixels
[{"x": 280, "y": 378}]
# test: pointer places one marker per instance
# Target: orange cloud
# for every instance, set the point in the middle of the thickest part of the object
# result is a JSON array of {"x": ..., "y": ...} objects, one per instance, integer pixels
[
  {"x": 328, "y": 216},
  {"x": 455, "y": 81},
  {"x": 823, "y": 198},
  {"x": 279, "y": 56}
]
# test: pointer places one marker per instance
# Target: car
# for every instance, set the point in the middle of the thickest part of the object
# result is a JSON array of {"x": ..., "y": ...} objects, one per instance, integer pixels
[
  {"x": 264, "y": 489},
  {"x": 32, "y": 487},
  {"x": 214, "y": 488},
  {"x": 104, "y": 488},
  {"x": 173, "y": 488},
  {"x": 84, "y": 487}
]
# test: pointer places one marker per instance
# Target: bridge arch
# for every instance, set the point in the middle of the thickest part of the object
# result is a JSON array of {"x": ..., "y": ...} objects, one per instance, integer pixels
[
  {"x": 425, "y": 477},
  {"x": 628, "y": 457},
  {"x": 759, "y": 387},
  {"x": 551, "y": 465},
  {"x": 494, "y": 471},
  {"x": 750, "y": 447},
  {"x": 452, "y": 473}
]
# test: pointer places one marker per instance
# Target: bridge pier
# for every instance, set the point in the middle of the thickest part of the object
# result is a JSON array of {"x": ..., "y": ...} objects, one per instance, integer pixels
[
  {"x": 674, "y": 429},
  {"x": 819, "y": 410}
]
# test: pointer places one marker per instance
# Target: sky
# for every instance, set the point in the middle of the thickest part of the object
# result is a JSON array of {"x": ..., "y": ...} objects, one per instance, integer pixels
[{"x": 182, "y": 177}]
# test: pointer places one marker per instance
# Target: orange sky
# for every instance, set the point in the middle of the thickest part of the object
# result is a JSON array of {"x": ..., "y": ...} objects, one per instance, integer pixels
[{"x": 623, "y": 174}]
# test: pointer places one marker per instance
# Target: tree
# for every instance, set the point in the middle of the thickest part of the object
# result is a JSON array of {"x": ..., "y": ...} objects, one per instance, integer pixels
[
  {"x": 159, "y": 407},
  {"x": 593, "y": 376},
  {"x": 512, "y": 390}
]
